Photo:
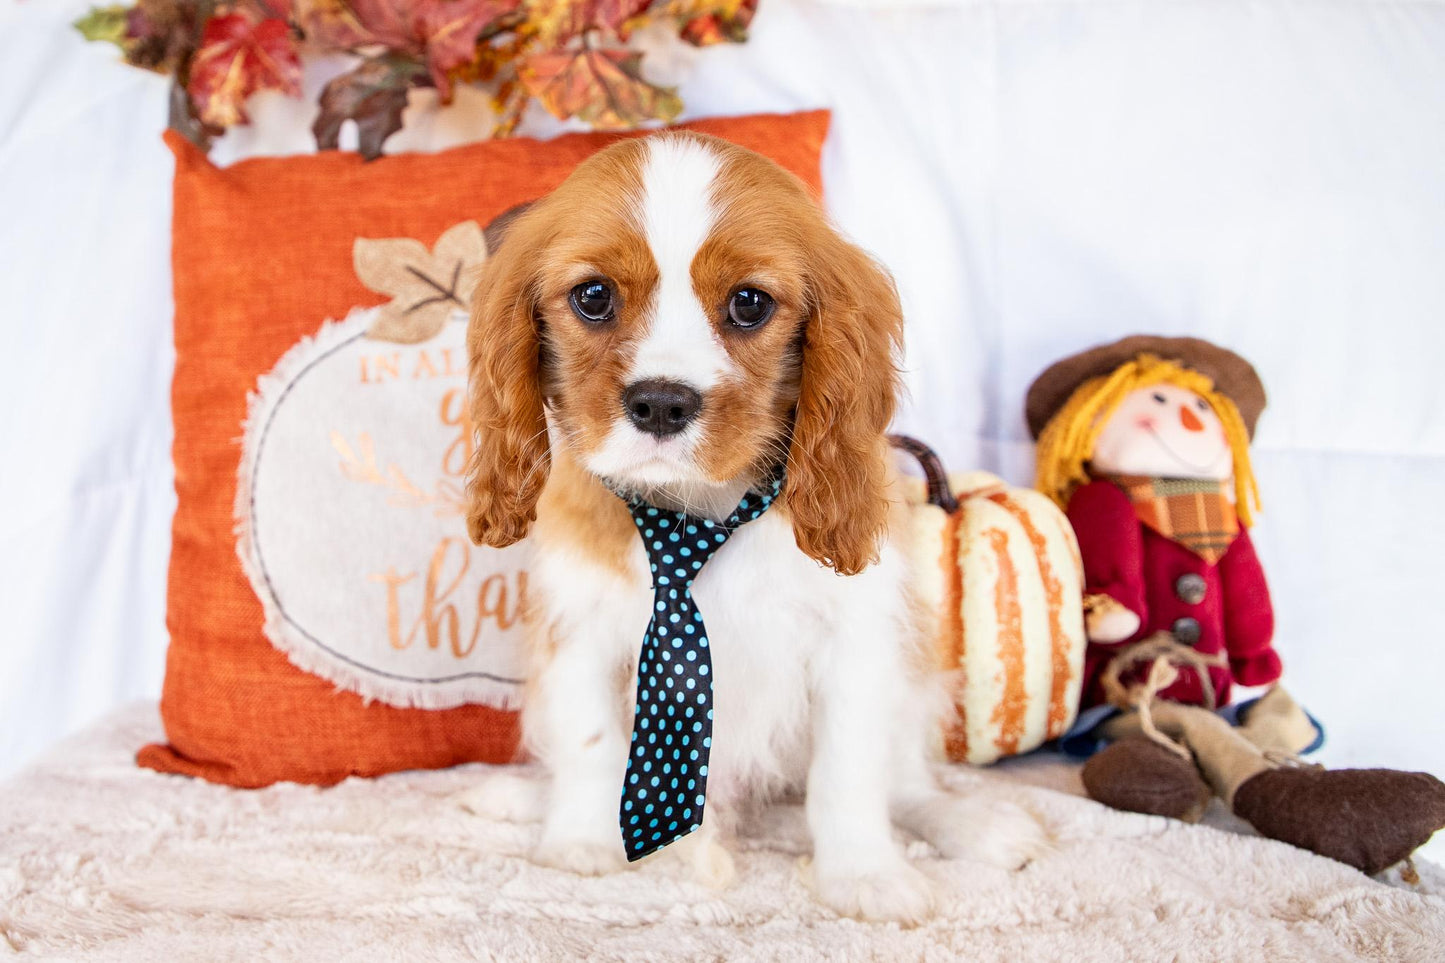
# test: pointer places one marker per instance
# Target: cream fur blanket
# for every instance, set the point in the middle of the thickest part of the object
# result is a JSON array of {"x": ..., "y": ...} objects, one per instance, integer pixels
[{"x": 101, "y": 860}]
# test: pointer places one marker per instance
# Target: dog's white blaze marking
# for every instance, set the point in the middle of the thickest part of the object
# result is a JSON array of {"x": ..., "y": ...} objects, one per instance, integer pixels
[{"x": 677, "y": 217}]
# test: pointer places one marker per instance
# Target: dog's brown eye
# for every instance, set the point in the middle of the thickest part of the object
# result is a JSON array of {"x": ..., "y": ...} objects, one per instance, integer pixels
[
  {"x": 750, "y": 308},
  {"x": 592, "y": 301}
]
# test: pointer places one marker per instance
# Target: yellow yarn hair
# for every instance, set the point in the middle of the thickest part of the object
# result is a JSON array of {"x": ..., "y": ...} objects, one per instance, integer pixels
[{"x": 1067, "y": 441}]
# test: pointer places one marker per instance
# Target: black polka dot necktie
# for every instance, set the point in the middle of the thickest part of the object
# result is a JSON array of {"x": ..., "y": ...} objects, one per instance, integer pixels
[{"x": 666, "y": 784}]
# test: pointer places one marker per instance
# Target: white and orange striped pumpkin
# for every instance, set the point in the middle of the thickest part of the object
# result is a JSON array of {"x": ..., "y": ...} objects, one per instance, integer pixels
[{"x": 998, "y": 571}]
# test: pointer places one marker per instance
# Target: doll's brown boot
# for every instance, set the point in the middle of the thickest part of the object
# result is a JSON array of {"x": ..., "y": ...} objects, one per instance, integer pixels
[
  {"x": 1370, "y": 819},
  {"x": 1138, "y": 775}
]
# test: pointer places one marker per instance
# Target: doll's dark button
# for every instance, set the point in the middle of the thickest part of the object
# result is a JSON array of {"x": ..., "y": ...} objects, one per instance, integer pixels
[
  {"x": 1191, "y": 588},
  {"x": 1186, "y": 630}
]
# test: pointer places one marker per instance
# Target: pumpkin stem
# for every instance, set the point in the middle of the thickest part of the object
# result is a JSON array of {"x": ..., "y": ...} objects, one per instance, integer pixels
[{"x": 938, "y": 490}]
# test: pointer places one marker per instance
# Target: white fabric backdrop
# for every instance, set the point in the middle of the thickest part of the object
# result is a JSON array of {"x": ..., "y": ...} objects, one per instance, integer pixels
[{"x": 1040, "y": 176}]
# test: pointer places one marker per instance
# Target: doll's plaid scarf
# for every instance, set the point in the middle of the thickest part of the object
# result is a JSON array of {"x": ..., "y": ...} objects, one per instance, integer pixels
[{"x": 1194, "y": 512}]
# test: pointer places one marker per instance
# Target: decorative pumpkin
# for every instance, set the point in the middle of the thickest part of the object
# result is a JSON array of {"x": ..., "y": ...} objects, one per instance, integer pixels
[{"x": 998, "y": 570}]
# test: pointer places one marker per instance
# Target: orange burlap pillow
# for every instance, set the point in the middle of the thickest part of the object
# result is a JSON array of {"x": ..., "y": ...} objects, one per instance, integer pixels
[{"x": 263, "y": 252}]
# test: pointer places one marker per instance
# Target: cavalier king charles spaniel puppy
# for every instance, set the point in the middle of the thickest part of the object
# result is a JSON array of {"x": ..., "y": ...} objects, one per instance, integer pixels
[{"x": 679, "y": 322}]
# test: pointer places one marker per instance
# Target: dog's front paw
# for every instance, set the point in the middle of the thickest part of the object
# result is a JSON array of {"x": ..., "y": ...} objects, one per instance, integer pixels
[
  {"x": 897, "y": 893},
  {"x": 504, "y": 797},
  {"x": 585, "y": 857},
  {"x": 711, "y": 863},
  {"x": 994, "y": 832}
]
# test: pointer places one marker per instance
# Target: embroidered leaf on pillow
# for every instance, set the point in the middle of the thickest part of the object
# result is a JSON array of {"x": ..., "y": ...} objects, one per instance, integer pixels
[{"x": 427, "y": 287}]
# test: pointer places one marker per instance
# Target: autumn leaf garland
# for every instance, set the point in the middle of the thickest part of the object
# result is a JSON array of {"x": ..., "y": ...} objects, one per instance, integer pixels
[{"x": 571, "y": 56}]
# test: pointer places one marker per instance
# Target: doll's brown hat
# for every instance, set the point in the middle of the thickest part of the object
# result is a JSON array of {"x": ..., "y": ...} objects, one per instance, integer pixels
[{"x": 1233, "y": 377}]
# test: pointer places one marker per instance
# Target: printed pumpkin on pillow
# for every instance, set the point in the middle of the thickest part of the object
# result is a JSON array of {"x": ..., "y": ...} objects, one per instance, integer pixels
[{"x": 350, "y": 495}]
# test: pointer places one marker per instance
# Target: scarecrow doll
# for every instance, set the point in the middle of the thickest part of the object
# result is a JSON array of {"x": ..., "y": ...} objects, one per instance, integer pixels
[{"x": 1145, "y": 444}]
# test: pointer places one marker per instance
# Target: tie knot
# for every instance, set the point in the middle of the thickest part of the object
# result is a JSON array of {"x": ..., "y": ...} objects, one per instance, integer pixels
[{"x": 678, "y": 544}]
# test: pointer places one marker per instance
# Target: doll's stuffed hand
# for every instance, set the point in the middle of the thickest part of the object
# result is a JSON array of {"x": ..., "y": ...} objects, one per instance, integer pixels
[{"x": 1106, "y": 621}]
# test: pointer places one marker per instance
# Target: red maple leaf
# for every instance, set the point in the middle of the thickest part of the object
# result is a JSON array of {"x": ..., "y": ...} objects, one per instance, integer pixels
[
  {"x": 443, "y": 33},
  {"x": 450, "y": 28},
  {"x": 237, "y": 57}
]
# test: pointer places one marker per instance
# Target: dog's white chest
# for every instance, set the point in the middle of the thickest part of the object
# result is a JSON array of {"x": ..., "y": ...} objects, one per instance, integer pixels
[{"x": 766, "y": 623}]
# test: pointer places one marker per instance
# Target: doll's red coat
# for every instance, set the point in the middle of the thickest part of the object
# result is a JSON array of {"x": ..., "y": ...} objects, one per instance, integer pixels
[{"x": 1140, "y": 569}]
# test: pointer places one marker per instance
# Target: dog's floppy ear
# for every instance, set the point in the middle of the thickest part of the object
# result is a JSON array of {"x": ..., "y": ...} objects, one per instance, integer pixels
[
  {"x": 496, "y": 232},
  {"x": 512, "y": 458},
  {"x": 847, "y": 395}
]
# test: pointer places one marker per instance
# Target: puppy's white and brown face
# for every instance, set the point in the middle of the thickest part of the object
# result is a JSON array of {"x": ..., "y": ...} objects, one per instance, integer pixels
[
  {"x": 685, "y": 314},
  {"x": 671, "y": 318}
]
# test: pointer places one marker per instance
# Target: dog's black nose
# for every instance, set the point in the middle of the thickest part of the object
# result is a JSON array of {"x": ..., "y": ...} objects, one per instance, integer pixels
[{"x": 661, "y": 407}]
